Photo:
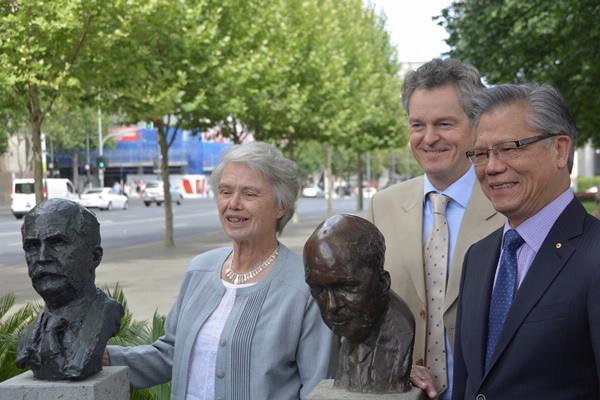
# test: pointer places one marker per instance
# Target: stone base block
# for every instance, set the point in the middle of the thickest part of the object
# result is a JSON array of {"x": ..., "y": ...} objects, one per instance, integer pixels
[
  {"x": 112, "y": 383},
  {"x": 326, "y": 391}
]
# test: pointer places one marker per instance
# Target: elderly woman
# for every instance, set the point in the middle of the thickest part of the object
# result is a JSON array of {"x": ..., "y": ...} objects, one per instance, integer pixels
[{"x": 244, "y": 325}]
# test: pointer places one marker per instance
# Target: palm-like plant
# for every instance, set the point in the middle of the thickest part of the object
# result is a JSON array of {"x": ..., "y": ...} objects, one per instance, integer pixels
[
  {"x": 11, "y": 325},
  {"x": 134, "y": 333}
]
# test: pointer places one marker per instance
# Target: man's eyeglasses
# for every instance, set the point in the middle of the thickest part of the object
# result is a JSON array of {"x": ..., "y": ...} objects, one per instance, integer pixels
[{"x": 503, "y": 151}]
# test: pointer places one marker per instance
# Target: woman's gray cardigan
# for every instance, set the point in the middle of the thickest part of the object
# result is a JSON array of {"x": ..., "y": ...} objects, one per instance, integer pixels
[{"x": 274, "y": 344}]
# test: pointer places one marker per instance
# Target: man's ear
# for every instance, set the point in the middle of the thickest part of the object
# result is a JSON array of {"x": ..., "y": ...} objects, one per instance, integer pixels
[
  {"x": 563, "y": 145},
  {"x": 280, "y": 212},
  {"x": 97, "y": 256}
]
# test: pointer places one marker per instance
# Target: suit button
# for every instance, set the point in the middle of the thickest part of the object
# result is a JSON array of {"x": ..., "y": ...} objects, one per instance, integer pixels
[
  {"x": 480, "y": 397},
  {"x": 420, "y": 362},
  {"x": 422, "y": 314},
  {"x": 222, "y": 342},
  {"x": 220, "y": 374}
]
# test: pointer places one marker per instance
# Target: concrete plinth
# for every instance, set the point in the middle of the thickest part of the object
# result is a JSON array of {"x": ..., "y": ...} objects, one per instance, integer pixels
[
  {"x": 326, "y": 391},
  {"x": 112, "y": 383}
]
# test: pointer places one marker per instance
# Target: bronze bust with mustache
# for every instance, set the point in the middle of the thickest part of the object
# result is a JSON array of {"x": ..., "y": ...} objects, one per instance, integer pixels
[
  {"x": 61, "y": 240},
  {"x": 343, "y": 261}
]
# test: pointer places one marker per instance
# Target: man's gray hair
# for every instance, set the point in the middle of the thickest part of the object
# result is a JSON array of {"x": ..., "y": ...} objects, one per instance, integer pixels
[
  {"x": 437, "y": 73},
  {"x": 548, "y": 111},
  {"x": 279, "y": 171}
]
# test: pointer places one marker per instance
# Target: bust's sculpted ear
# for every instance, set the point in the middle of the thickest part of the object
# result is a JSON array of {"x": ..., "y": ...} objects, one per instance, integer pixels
[
  {"x": 384, "y": 276},
  {"x": 97, "y": 256}
]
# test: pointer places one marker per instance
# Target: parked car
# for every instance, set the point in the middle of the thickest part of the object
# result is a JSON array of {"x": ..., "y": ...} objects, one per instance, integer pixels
[
  {"x": 155, "y": 193},
  {"x": 23, "y": 194},
  {"x": 313, "y": 191},
  {"x": 103, "y": 198}
]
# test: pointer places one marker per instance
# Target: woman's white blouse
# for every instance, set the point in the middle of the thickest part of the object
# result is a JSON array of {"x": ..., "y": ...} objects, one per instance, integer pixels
[{"x": 201, "y": 375}]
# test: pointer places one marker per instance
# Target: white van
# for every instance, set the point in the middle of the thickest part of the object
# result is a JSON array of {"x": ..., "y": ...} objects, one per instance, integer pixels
[{"x": 23, "y": 194}]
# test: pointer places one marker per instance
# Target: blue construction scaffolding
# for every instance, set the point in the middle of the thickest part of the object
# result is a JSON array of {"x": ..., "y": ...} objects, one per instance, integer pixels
[{"x": 137, "y": 152}]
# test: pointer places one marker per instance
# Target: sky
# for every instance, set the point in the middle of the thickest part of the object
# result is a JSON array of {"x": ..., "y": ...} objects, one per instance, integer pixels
[{"x": 412, "y": 30}]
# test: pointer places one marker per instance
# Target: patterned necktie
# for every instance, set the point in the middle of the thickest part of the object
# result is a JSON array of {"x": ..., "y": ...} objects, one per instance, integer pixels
[
  {"x": 436, "y": 266},
  {"x": 504, "y": 291}
]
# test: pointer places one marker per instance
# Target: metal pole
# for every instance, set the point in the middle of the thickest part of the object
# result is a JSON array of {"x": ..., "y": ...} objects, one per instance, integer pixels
[
  {"x": 100, "y": 148},
  {"x": 88, "y": 167}
]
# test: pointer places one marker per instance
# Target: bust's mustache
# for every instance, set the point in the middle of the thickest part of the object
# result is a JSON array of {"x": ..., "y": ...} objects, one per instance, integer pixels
[{"x": 42, "y": 271}]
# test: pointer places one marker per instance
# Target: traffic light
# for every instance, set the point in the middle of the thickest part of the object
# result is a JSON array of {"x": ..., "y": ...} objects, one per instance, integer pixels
[{"x": 101, "y": 163}]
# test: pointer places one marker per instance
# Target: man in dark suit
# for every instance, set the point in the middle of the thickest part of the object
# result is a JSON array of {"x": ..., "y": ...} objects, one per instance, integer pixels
[{"x": 528, "y": 322}]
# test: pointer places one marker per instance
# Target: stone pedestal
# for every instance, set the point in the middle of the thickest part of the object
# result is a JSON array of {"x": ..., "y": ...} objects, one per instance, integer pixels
[
  {"x": 326, "y": 391},
  {"x": 112, "y": 383}
]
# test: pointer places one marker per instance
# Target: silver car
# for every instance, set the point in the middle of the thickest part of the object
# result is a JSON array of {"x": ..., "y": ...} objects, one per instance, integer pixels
[{"x": 154, "y": 193}]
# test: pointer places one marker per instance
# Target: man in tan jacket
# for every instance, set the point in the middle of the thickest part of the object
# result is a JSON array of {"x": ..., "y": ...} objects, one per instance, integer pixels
[{"x": 437, "y": 99}]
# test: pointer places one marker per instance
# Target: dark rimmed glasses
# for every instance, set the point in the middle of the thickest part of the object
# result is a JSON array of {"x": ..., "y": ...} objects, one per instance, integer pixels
[{"x": 503, "y": 151}]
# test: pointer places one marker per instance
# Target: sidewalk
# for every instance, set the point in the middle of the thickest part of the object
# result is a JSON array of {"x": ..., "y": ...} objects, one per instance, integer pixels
[{"x": 150, "y": 274}]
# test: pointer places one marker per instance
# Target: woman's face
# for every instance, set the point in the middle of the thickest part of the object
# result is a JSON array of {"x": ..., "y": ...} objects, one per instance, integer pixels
[{"x": 246, "y": 203}]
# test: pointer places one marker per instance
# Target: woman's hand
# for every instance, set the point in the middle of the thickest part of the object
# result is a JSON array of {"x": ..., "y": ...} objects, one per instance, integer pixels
[
  {"x": 421, "y": 378},
  {"x": 105, "y": 358}
]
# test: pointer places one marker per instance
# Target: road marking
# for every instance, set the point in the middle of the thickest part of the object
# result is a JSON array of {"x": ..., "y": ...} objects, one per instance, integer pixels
[
  {"x": 156, "y": 219},
  {"x": 10, "y": 233}
]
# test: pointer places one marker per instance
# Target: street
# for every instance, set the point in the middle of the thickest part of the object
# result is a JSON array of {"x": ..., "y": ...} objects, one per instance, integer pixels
[
  {"x": 134, "y": 254},
  {"x": 145, "y": 225}
]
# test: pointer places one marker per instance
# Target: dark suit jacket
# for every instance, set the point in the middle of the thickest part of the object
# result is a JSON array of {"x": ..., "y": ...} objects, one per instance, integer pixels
[{"x": 550, "y": 345}]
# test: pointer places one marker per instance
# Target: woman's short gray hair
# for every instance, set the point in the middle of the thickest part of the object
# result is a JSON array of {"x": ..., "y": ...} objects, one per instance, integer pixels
[
  {"x": 279, "y": 171},
  {"x": 548, "y": 111}
]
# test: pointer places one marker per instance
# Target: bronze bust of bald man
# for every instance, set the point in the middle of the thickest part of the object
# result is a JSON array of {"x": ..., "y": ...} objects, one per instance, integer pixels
[
  {"x": 343, "y": 261},
  {"x": 61, "y": 240}
]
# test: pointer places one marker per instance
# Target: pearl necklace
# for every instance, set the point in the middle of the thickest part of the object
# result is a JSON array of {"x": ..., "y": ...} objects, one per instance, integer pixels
[{"x": 239, "y": 279}]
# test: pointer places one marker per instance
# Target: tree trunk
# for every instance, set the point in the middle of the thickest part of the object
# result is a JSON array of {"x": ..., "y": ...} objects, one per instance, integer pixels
[
  {"x": 76, "y": 170},
  {"x": 38, "y": 168},
  {"x": 359, "y": 195},
  {"x": 329, "y": 178},
  {"x": 164, "y": 172}
]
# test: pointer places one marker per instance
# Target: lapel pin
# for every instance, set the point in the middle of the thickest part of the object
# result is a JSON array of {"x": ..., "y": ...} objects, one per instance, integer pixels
[{"x": 558, "y": 245}]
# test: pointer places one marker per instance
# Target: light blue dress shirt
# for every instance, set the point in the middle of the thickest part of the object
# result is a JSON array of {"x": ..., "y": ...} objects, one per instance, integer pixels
[{"x": 460, "y": 194}]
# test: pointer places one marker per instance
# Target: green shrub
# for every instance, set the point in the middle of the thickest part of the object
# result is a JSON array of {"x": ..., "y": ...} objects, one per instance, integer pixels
[
  {"x": 10, "y": 329},
  {"x": 586, "y": 182}
]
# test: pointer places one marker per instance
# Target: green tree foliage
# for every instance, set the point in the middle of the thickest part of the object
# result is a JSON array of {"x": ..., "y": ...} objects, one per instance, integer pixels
[
  {"x": 537, "y": 40},
  {"x": 70, "y": 127},
  {"x": 171, "y": 52},
  {"x": 52, "y": 49},
  {"x": 285, "y": 71}
]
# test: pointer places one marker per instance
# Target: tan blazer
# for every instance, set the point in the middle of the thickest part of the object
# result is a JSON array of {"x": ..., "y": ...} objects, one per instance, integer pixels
[{"x": 398, "y": 213}]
